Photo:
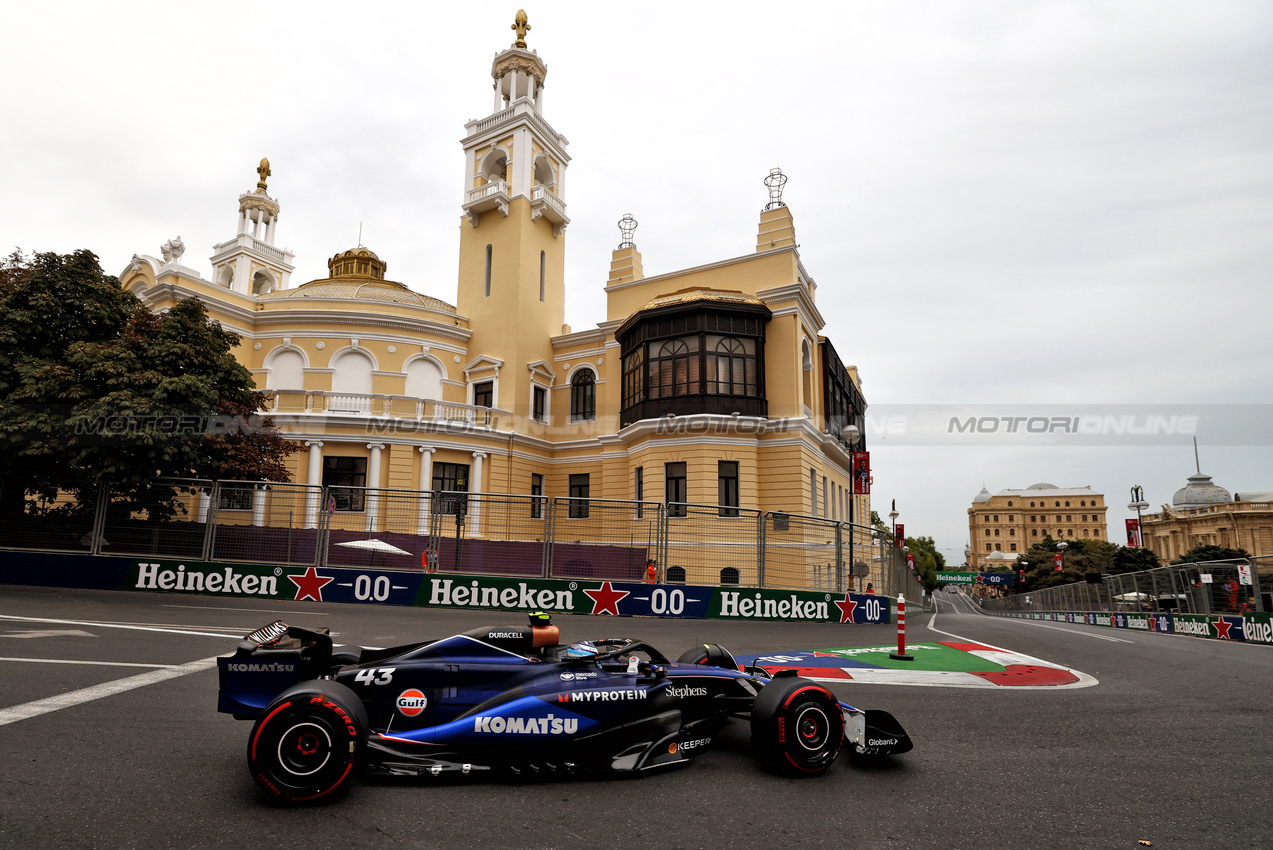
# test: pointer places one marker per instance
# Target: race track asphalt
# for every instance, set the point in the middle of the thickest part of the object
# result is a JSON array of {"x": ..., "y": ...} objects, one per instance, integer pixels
[{"x": 1173, "y": 744}]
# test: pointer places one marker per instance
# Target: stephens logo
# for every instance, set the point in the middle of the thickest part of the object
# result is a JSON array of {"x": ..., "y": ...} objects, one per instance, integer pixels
[
  {"x": 685, "y": 692},
  {"x": 411, "y": 702}
]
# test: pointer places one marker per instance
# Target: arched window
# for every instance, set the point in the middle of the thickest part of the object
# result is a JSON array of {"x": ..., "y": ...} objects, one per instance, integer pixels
[
  {"x": 674, "y": 368},
  {"x": 351, "y": 381},
  {"x": 731, "y": 366},
  {"x": 1012, "y": 532},
  {"x": 676, "y": 575},
  {"x": 729, "y": 575},
  {"x": 583, "y": 396},
  {"x": 286, "y": 370},
  {"x": 424, "y": 379}
]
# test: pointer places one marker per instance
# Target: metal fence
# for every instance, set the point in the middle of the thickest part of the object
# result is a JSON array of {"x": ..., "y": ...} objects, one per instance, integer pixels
[
  {"x": 1211, "y": 587},
  {"x": 512, "y": 535}
]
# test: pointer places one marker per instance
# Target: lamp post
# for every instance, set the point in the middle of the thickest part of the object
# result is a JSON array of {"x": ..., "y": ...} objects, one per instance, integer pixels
[
  {"x": 1138, "y": 504},
  {"x": 892, "y": 516}
]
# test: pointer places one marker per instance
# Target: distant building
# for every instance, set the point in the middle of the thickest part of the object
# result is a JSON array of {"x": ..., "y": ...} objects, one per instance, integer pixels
[
  {"x": 1202, "y": 512},
  {"x": 1011, "y": 521}
]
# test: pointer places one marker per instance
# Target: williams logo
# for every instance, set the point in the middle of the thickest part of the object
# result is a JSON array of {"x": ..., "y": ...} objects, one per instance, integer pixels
[
  {"x": 549, "y": 725},
  {"x": 411, "y": 702}
]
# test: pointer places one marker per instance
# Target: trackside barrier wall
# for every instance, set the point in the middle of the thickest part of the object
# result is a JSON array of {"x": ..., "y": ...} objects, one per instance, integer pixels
[
  {"x": 470, "y": 533},
  {"x": 500, "y": 594},
  {"x": 1253, "y": 628},
  {"x": 1194, "y": 588}
]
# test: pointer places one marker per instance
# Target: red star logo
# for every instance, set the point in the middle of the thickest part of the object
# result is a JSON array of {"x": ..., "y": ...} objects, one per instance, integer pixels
[
  {"x": 1222, "y": 628},
  {"x": 846, "y": 609},
  {"x": 310, "y": 585},
  {"x": 605, "y": 599}
]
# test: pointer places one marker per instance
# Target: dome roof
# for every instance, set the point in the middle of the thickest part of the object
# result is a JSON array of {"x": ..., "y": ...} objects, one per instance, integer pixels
[
  {"x": 1199, "y": 492},
  {"x": 983, "y": 496},
  {"x": 359, "y": 274},
  {"x": 1043, "y": 486},
  {"x": 364, "y": 290},
  {"x": 687, "y": 296}
]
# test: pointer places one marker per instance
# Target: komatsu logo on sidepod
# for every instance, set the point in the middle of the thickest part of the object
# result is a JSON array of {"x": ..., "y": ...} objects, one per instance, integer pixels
[{"x": 549, "y": 725}]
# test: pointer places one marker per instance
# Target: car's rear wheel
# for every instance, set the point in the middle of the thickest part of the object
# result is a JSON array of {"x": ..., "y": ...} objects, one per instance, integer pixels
[
  {"x": 797, "y": 726},
  {"x": 308, "y": 744}
]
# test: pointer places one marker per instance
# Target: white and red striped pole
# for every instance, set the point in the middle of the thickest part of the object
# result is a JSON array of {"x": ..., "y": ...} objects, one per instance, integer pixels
[{"x": 901, "y": 655}]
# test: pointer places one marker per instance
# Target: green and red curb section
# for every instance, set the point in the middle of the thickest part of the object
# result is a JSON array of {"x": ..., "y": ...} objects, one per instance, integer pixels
[
  {"x": 1256, "y": 627},
  {"x": 951, "y": 664}
]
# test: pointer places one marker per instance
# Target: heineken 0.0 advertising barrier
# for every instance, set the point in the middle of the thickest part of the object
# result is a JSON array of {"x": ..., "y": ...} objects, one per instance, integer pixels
[
  {"x": 976, "y": 578},
  {"x": 502, "y": 593},
  {"x": 1255, "y": 627}
]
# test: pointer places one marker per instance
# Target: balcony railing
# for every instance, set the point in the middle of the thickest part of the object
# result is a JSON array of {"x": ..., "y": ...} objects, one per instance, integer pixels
[{"x": 379, "y": 405}]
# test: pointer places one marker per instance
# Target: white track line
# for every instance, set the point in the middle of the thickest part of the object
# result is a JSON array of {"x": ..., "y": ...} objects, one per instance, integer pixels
[
  {"x": 93, "y": 663},
  {"x": 73, "y": 698},
  {"x": 120, "y": 626}
]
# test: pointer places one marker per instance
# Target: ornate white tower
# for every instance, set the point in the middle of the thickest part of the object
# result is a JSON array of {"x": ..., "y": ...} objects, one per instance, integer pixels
[
  {"x": 512, "y": 239},
  {"x": 250, "y": 263}
]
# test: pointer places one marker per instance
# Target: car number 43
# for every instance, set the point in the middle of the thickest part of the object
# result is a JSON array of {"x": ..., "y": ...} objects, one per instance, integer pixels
[{"x": 375, "y": 676}]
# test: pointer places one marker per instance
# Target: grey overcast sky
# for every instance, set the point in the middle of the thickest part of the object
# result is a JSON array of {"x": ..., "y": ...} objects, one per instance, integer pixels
[{"x": 1003, "y": 203}]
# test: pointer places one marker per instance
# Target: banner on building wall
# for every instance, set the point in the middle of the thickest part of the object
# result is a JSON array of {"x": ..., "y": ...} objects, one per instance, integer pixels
[
  {"x": 861, "y": 473},
  {"x": 1133, "y": 532}
]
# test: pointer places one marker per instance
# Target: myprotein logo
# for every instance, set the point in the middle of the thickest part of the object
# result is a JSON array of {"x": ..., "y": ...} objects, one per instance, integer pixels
[
  {"x": 603, "y": 695},
  {"x": 411, "y": 702},
  {"x": 550, "y": 725}
]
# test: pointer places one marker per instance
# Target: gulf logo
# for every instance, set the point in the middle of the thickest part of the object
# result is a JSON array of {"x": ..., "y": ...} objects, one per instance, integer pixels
[{"x": 411, "y": 702}]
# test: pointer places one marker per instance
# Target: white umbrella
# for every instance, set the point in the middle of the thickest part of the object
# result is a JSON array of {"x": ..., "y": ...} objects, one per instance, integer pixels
[
  {"x": 1131, "y": 597},
  {"x": 374, "y": 546}
]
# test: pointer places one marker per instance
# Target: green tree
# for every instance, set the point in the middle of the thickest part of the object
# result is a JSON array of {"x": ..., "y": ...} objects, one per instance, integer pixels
[
  {"x": 1133, "y": 559},
  {"x": 1210, "y": 552},
  {"x": 928, "y": 561},
  {"x": 93, "y": 386}
]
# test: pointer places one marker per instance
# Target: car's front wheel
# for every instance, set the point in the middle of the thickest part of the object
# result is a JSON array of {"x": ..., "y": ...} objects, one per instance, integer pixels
[
  {"x": 797, "y": 726},
  {"x": 308, "y": 744}
]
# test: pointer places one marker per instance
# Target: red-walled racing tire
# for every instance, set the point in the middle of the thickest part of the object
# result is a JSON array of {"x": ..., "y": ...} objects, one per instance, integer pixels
[
  {"x": 797, "y": 726},
  {"x": 308, "y": 744}
]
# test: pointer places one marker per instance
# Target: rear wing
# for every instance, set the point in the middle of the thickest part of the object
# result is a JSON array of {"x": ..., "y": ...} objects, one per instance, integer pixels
[{"x": 267, "y": 662}]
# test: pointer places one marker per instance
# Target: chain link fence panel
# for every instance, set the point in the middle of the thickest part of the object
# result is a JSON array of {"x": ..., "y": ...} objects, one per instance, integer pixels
[
  {"x": 59, "y": 517},
  {"x": 168, "y": 520},
  {"x": 710, "y": 545},
  {"x": 604, "y": 538},
  {"x": 802, "y": 552},
  {"x": 272, "y": 523}
]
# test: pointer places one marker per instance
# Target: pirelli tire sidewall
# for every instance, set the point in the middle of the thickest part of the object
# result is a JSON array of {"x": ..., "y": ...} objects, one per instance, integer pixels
[
  {"x": 797, "y": 726},
  {"x": 309, "y": 744}
]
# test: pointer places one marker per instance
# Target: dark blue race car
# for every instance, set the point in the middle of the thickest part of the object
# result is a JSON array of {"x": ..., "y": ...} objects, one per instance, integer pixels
[{"x": 512, "y": 699}]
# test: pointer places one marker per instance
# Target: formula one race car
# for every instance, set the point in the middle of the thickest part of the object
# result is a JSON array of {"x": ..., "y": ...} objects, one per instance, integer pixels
[{"x": 510, "y": 698}]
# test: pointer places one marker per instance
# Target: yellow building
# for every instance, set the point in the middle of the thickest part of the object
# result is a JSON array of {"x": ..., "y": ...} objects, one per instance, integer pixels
[
  {"x": 710, "y": 385},
  {"x": 1202, "y": 512},
  {"x": 1011, "y": 521}
]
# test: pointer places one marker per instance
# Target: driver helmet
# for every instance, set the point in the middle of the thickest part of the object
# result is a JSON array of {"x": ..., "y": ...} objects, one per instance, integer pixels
[{"x": 583, "y": 651}]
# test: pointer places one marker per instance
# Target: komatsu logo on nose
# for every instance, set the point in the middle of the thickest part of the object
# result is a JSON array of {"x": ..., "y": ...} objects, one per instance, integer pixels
[{"x": 550, "y": 725}]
